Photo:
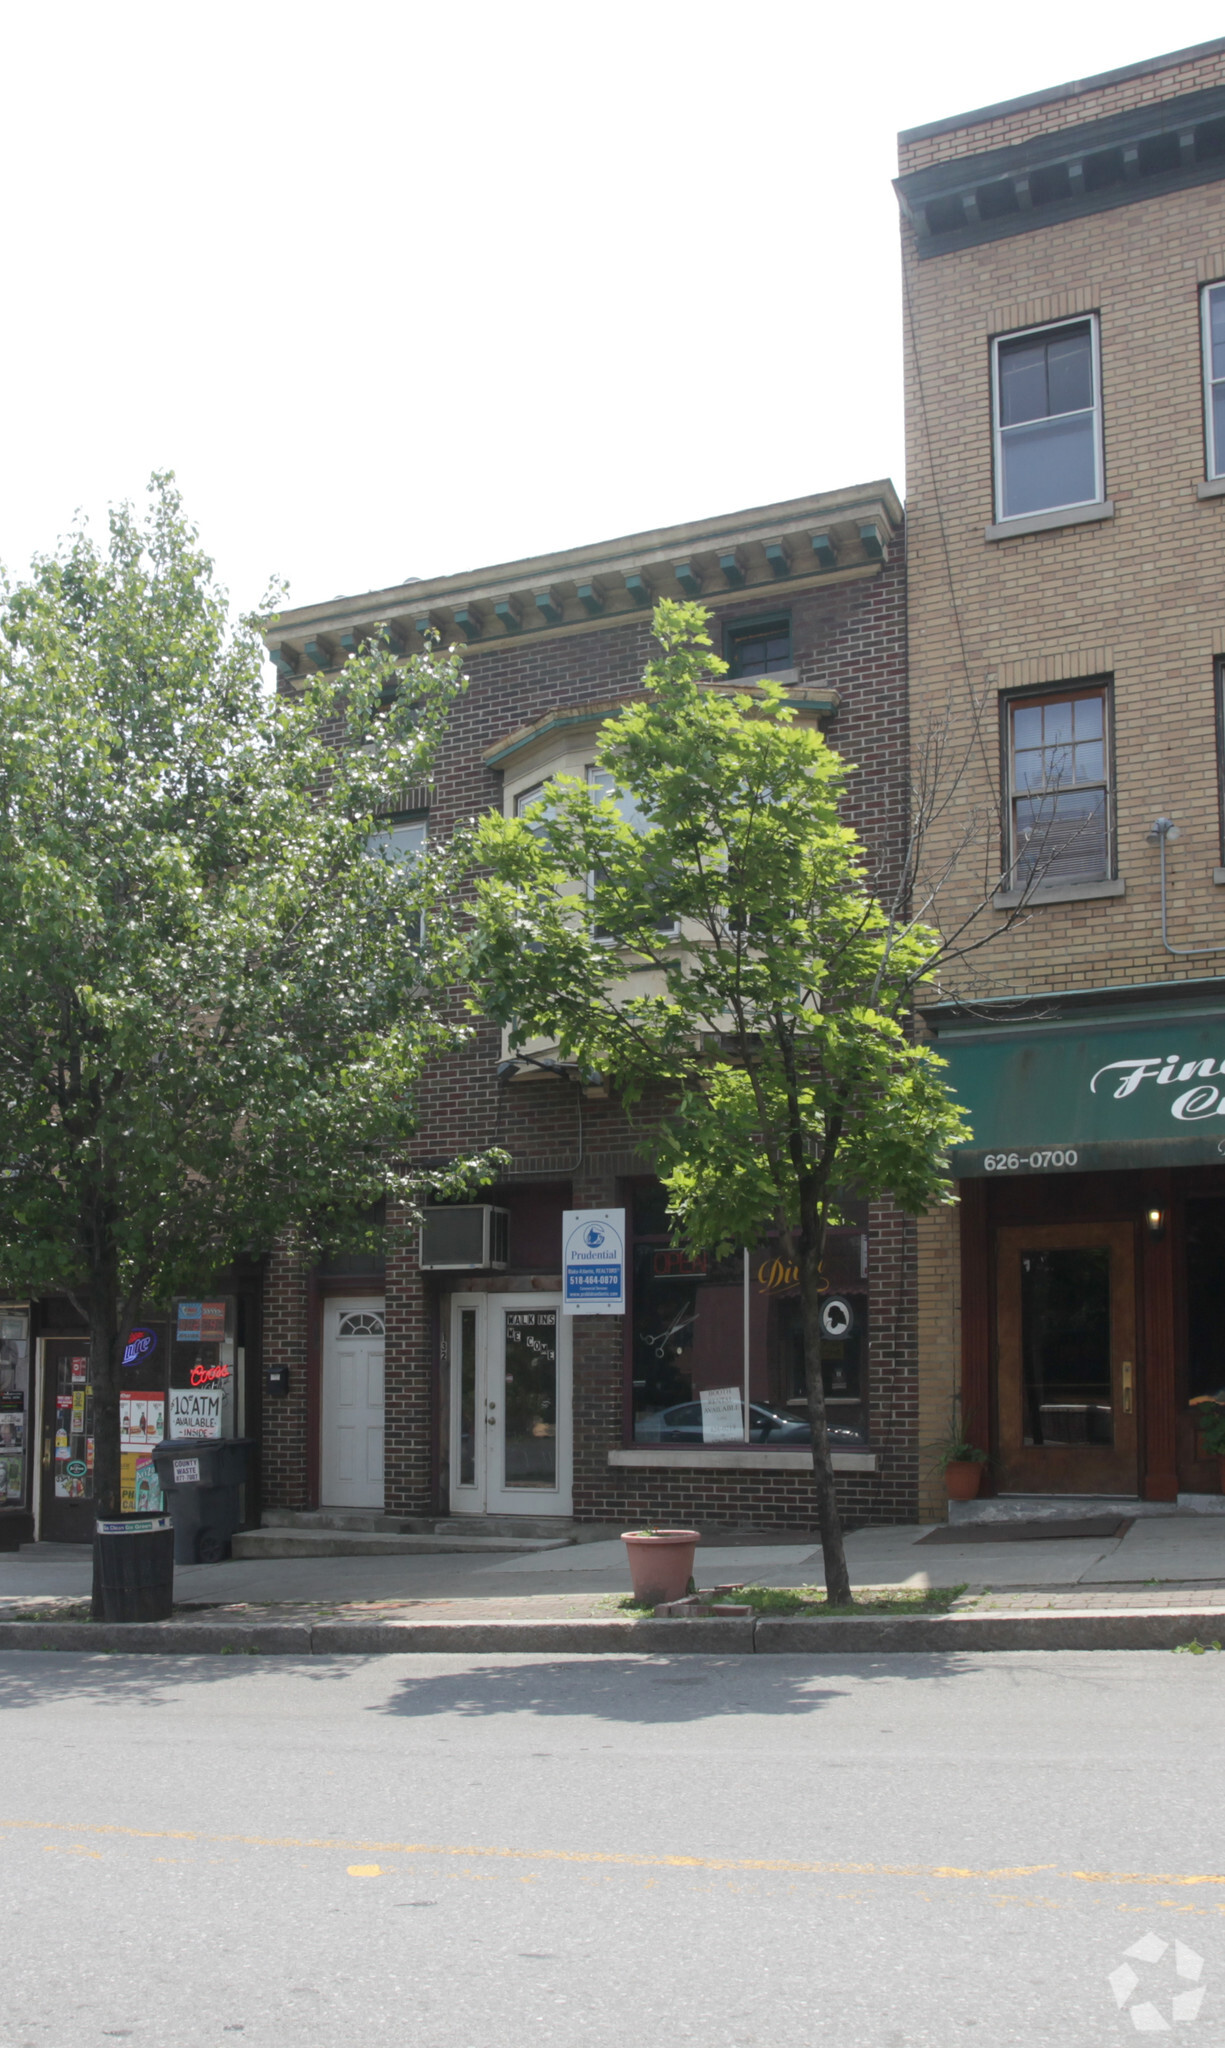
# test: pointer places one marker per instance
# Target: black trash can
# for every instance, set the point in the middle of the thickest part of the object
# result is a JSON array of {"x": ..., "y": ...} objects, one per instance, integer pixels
[
  {"x": 134, "y": 1569},
  {"x": 201, "y": 1478}
]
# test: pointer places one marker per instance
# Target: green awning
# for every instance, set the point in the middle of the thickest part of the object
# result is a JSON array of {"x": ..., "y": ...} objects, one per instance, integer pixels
[{"x": 1088, "y": 1092}]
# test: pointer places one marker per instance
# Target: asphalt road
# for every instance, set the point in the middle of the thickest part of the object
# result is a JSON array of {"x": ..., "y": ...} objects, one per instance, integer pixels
[{"x": 447, "y": 1852}]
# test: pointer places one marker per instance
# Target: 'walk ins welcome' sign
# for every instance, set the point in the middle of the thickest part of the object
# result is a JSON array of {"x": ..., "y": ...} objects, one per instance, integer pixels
[{"x": 593, "y": 1262}]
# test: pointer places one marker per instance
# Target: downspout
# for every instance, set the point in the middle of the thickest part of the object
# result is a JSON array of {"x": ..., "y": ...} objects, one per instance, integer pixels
[{"x": 1163, "y": 829}]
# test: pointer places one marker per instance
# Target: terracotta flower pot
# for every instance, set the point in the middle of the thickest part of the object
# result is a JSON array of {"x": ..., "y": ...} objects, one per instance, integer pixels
[
  {"x": 661, "y": 1565},
  {"x": 963, "y": 1477}
]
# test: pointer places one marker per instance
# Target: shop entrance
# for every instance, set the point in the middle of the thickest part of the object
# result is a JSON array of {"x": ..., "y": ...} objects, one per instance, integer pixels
[
  {"x": 352, "y": 1419},
  {"x": 510, "y": 1405},
  {"x": 1066, "y": 1358}
]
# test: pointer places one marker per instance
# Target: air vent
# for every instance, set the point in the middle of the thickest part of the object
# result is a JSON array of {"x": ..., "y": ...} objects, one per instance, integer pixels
[{"x": 471, "y": 1239}]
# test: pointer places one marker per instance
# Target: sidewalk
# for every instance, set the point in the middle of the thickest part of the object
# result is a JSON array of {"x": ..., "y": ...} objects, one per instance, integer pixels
[{"x": 1153, "y": 1587}]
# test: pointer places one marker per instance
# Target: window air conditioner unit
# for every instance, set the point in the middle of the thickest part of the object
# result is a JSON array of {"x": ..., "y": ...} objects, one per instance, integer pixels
[{"x": 467, "y": 1239}]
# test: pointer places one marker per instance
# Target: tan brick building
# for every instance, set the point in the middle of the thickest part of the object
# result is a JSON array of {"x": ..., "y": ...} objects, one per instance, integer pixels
[{"x": 1064, "y": 264}]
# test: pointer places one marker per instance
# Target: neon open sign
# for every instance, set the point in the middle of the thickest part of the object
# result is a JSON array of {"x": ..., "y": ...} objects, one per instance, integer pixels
[{"x": 208, "y": 1375}]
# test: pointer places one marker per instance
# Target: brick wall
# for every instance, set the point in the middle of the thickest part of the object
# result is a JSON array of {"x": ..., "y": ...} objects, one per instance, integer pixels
[
  {"x": 1136, "y": 597},
  {"x": 851, "y": 635}
]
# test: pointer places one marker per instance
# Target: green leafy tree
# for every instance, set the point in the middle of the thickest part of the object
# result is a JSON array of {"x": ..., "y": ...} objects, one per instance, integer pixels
[
  {"x": 718, "y": 936},
  {"x": 216, "y": 991}
]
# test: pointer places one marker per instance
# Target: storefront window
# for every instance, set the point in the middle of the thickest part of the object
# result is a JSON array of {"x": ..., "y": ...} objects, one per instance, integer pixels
[
  {"x": 14, "y": 1402},
  {"x": 688, "y": 1340},
  {"x": 1205, "y": 1297},
  {"x": 204, "y": 1369}
]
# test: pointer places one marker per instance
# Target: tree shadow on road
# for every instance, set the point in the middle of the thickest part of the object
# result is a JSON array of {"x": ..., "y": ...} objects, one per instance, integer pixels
[{"x": 659, "y": 1690}]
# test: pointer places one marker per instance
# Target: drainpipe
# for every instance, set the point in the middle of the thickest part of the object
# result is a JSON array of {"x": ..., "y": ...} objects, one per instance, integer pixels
[{"x": 1163, "y": 829}]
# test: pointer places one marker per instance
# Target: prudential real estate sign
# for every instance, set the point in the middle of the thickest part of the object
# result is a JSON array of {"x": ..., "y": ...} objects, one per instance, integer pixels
[{"x": 593, "y": 1262}]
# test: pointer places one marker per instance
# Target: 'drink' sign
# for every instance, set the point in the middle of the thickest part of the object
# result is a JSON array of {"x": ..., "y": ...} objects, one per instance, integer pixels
[{"x": 593, "y": 1262}]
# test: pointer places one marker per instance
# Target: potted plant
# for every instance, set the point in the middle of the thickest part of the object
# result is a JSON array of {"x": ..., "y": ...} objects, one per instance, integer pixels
[
  {"x": 1210, "y": 1422},
  {"x": 962, "y": 1465},
  {"x": 660, "y": 1562}
]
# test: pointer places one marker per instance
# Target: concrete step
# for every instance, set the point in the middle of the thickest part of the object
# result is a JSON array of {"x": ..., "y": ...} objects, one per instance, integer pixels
[
  {"x": 1054, "y": 1507},
  {"x": 372, "y": 1520},
  {"x": 316, "y": 1542},
  {"x": 548, "y": 1527}
]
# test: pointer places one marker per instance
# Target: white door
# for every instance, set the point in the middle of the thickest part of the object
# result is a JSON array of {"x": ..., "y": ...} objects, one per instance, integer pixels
[
  {"x": 351, "y": 1461},
  {"x": 510, "y": 1405}
]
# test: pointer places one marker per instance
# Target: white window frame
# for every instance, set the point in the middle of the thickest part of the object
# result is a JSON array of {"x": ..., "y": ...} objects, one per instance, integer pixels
[
  {"x": 1215, "y": 456},
  {"x": 1048, "y": 327},
  {"x": 1055, "y": 693}
]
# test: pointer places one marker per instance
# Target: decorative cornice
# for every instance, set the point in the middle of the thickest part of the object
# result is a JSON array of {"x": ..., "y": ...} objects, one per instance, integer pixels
[
  {"x": 1163, "y": 146},
  {"x": 831, "y": 537}
]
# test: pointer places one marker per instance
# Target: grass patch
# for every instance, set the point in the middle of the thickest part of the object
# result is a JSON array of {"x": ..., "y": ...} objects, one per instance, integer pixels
[{"x": 812, "y": 1600}]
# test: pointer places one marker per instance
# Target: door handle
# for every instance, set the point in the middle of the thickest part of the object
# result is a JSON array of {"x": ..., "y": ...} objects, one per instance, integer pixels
[{"x": 1127, "y": 1386}]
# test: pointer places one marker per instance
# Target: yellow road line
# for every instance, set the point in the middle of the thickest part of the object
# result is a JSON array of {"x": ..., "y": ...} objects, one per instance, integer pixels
[{"x": 627, "y": 1858}]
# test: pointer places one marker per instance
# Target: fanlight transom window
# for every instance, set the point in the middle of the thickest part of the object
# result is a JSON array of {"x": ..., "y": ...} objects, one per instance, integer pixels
[{"x": 360, "y": 1322}]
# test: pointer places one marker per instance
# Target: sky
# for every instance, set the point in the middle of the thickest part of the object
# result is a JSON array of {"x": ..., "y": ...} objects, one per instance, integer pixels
[{"x": 407, "y": 289}]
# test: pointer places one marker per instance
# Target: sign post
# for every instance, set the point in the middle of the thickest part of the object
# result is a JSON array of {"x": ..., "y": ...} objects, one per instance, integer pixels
[{"x": 593, "y": 1262}]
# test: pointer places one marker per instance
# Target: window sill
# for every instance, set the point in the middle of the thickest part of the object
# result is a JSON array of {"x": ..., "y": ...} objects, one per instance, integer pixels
[
  {"x": 1050, "y": 522},
  {"x": 683, "y": 1458},
  {"x": 1210, "y": 487},
  {"x": 1060, "y": 892}
]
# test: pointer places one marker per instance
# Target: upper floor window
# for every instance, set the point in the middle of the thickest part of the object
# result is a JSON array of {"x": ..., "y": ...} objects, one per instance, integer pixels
[
  {"x": 1048, "y": 441},
  {"x": 758, "y": 648},
  {"x": 400, "y": 839},
  {"x": 605, "y": 785},
  {"x": 1214, "y": 377},
  {"x": 1059, "y": 787}
]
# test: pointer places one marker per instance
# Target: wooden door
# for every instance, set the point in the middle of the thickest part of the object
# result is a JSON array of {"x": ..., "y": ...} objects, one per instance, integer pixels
[
  {"x": 351, "y": 1461},
  {"x": 1067, "y": 1382}
]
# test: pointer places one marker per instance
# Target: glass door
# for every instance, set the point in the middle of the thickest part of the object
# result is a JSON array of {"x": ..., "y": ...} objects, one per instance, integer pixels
[
  {"x": 1066, "y": 1359},
  {"x": 510, "y": 1405},
  {"x": 68, "y": 1442}
]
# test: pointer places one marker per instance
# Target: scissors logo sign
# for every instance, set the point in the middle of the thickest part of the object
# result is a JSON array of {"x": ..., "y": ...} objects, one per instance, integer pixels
[{"x": 837, "y": 1316}]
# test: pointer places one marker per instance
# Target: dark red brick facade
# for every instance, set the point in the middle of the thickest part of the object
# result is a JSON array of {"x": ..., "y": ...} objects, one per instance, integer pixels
[{"x": 850, "y": 635}]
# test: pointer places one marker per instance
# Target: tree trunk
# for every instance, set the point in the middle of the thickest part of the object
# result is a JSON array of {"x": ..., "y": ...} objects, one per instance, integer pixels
[
  {"x": 106, "y": 1340},
  {"x": 829, "y": 1522}
]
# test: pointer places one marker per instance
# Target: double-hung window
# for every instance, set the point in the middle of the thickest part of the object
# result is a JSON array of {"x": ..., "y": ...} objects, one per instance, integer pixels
[
  {"x": 603, "y": 784},
  {"x": 401, "y": 842},
  {"x": 1214, "y": 377},
  {"x": 1048, "y": 425},
  {"x": 1058, "y": 763},
  {"x": 401, "y": 839}
]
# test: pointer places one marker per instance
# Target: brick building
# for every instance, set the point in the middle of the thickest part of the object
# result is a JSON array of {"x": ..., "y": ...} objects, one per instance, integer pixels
[
  {"x": 1064, "y": 264},
  {"x": 466, "y": 1390}
]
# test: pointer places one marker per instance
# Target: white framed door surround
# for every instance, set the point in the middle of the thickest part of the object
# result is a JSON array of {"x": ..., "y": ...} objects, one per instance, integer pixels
[
  {"x": 511, "y": 1437},
  {"x": 351, "y": 1406}
]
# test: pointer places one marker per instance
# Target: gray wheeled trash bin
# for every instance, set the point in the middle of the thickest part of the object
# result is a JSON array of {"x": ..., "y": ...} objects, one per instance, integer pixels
[{"x": 201, "y": 1478}]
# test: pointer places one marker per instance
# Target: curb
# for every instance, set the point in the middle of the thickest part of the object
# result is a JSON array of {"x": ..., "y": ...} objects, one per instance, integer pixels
[
  {"x": 1161, "y": 1628},
  {"x": 1135, "y": 1628},
  {"x": 167, "y": 1638}
]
